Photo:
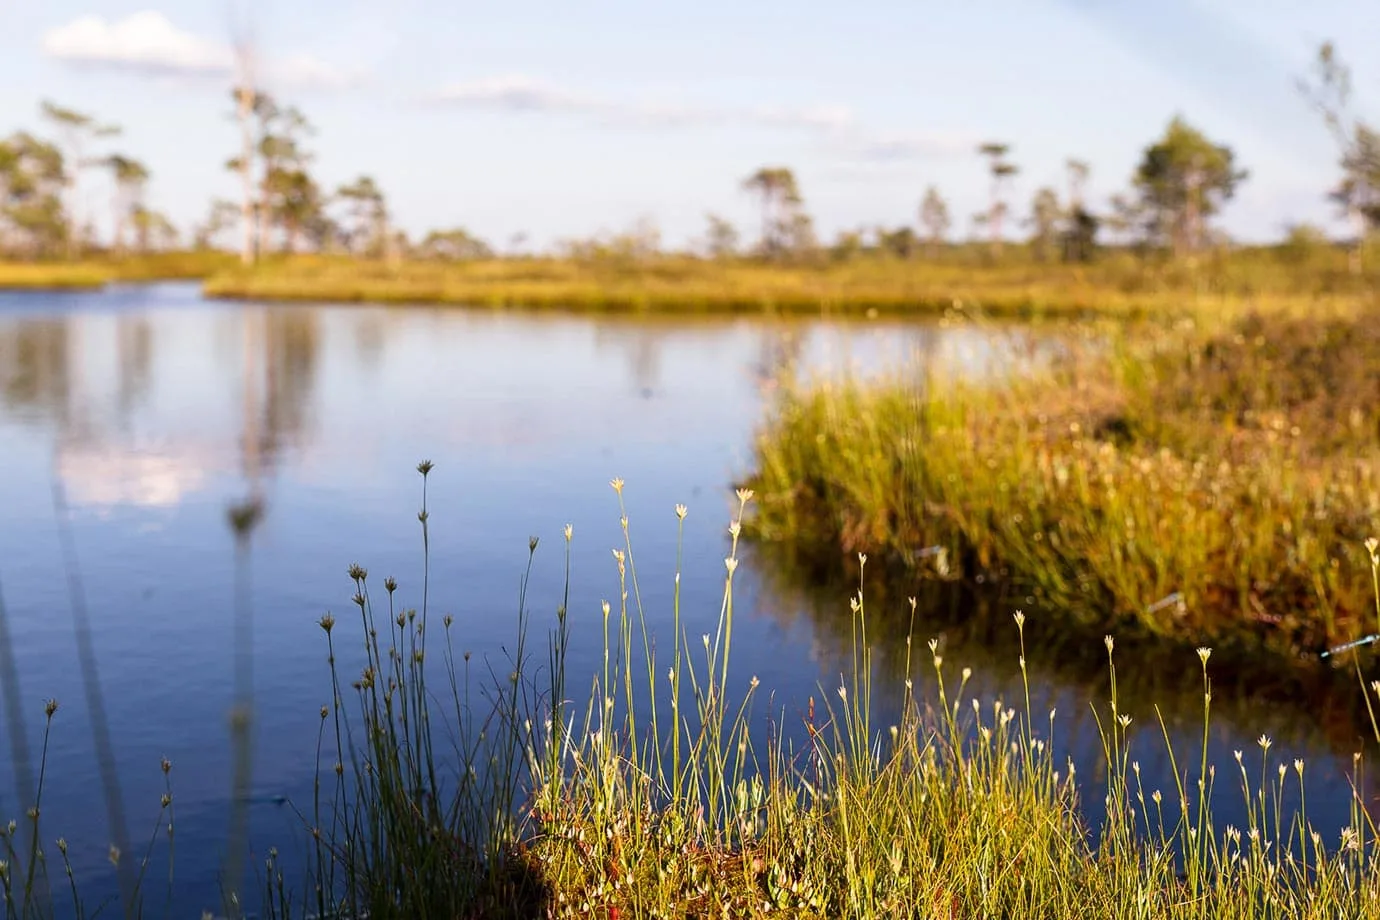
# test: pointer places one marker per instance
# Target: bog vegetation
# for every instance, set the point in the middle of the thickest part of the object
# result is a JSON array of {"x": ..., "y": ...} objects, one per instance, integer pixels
[{"x": 674, "y": 787}]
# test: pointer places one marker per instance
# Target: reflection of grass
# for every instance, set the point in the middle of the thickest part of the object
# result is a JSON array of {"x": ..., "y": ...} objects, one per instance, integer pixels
[
  {"x": 1119, "y": 285},
  {"x": 96, "y": 273},
  {"x": 663, "y": 793},
  {"x": 1318, "y": 707},
  {"x": 1183, "y": 486}
]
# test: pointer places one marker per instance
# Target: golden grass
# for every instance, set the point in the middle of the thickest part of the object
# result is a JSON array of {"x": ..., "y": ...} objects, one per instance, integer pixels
[
  {"x": 1119, "y": 286},
  {"x": 95, "y": 273}
]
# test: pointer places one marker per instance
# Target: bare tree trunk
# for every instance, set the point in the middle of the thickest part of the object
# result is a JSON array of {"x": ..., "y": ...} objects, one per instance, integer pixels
[
  {"x": 244, "y": 111},
  {"x": 1354, "y": 258}
]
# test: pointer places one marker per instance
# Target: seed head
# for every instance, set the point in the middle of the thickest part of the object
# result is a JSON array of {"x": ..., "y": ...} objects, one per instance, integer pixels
[
  {"x": 532, "y": 544},
  {"x": 1107, "y": 641},
  {"x": 745, "y": 496},
  {"x": 731, "y": 564},
  {"x": 617, "y": 484},
  {"x": 1204, "y": 653},
  {"x": 358, "y": 572},
  {"x": 1264, "y": 742},
  {"x": 425, "y": 467},
  {"x": 166, "y": 765},
  {"x": 1020, "y": 620},
  {"x": 390, "y": 584},
  {"x": 1373, "y": 547},
  {"x": 327, "y": 622},
  {"x": 681, "y": 511},
  {"x": 50, "y": 707},
  {"x": 569, "y": 531}
]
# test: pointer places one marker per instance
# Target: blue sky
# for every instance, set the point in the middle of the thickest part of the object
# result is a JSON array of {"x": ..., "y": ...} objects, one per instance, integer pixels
[{"x": 565, "y": 119}]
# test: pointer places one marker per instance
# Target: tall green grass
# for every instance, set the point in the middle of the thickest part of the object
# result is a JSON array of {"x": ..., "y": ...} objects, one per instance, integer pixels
[
  {"x": 663, "y": 785},
  {"x": 1168, "y": 484}
]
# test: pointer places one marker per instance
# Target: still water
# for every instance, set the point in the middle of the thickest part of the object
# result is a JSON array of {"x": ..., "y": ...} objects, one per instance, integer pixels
[{"x": 141, "y": 414}]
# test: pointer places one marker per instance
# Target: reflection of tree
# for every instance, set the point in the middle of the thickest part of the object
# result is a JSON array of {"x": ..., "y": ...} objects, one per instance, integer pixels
[
  {"x": 779, "y": 349},
  {"x": 291, "y": 346},
  {"x": 134, "y": 359},
  {"x": 640, "y": 343},
  {"x": 34, "y": 364},
  {"x": 279, "y": 378},
  {"x": 370, "y": 332}
]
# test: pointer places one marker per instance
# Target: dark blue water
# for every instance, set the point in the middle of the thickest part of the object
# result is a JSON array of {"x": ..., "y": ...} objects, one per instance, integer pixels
[{"x": 150, "y": 412}]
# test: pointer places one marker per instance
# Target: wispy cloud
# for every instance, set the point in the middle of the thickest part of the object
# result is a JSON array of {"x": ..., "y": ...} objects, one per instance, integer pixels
[
  {"x": 148, "y": 43},
  {"x": 144, "y": 41},
  {"x": 836, "y": 125}
]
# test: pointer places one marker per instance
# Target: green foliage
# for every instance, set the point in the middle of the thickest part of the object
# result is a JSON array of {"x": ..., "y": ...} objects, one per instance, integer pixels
[
  {"x": 33, "y": 222},
  {"x": 1045, "y": 216},
  {"x": 1183, "y": 179}
]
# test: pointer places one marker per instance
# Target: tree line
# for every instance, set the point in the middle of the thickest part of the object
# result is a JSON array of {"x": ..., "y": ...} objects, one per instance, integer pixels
[{"x": 1182, "y": 181}]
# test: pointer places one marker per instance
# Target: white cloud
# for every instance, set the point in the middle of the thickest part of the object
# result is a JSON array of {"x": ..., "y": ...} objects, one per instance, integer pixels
[
  {"x": 149, "y": 43},
  {"x": 518, "y": 93},
  {"x": 144, "y": 41},
  {"x": 515, "y": 92}
]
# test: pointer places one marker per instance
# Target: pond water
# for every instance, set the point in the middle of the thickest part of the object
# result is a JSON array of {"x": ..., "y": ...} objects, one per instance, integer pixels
[{"x": 139, "y": 415}]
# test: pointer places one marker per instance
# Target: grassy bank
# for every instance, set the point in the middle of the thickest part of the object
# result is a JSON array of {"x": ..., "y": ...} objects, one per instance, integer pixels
[
  {"x": 1119, "y": 285},
  {"x": 1186, "y": 486},
  {"x": 672, "y": 788},
  {"x": 95, "y": 273}
]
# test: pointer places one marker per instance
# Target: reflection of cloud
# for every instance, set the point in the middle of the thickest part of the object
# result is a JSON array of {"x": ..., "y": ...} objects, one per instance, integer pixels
[
  {"x": 520, "y": 93},
  {"x": 105, "y": 476},
  {"x": 148, "y": 43}
]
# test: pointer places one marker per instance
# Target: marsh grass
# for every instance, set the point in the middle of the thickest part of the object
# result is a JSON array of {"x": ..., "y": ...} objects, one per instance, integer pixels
[
  {"x": 97, "y": 272},
  {"x": 1119, "y": 285},
  {"x": 1167, "y": 484},
  {"x": 669, "y": 788}
]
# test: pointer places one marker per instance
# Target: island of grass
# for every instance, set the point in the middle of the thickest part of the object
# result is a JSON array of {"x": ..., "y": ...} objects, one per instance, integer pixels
[
  {"x": 1206, "y": 483},
  {"x": 1119, "y": 283}
]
